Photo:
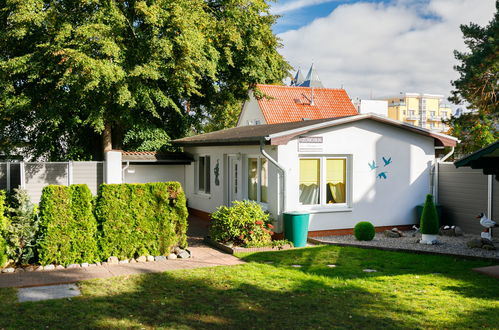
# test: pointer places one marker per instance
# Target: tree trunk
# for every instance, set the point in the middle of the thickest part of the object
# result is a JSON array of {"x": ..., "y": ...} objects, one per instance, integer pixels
[{"x": 107, "y": 144}]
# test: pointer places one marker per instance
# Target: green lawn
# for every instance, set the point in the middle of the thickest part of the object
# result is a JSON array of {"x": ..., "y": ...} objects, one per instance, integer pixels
[{"x": 407, "y": 291}]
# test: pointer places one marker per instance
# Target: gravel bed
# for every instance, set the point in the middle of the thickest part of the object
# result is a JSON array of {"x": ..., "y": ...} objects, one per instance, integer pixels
[{"x": 448, "y": 245}]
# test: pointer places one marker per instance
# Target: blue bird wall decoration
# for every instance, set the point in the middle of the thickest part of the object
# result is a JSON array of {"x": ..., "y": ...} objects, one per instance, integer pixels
[
  {"x": 373, "y": 165},
  {"x": 387, "y": 161},
  {"x": 382, "y": 175}
]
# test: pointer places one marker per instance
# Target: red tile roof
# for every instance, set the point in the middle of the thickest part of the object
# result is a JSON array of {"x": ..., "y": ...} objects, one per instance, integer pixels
[{"x": 286, "y": 104}]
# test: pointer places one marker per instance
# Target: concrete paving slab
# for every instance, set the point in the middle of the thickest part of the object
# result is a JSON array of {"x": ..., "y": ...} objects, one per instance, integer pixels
[
  {"x": 492, "y": 271},
  {"x": 48, "y": 292}
]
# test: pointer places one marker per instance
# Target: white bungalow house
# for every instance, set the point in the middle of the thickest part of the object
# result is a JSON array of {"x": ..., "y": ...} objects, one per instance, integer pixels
[{"x": 340, "y": 170}]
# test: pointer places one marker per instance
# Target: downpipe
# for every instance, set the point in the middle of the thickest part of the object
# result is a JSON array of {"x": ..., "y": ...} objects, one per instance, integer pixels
[{"x": 282, "y": 171}]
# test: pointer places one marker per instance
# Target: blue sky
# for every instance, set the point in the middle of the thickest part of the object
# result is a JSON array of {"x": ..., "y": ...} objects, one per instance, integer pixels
[
  {"x": 378, "y": 48},
  {"x": 306, "y": 13}
]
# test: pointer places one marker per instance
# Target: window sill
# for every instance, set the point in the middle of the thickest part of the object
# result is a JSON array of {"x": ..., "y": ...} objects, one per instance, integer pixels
[
  {"x": 326, "y": 210},
  {"x": 202, "y": 195}
]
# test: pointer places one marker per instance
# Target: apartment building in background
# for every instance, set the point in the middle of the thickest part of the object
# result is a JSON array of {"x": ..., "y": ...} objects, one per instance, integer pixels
[{"x": 423, "y": 110}]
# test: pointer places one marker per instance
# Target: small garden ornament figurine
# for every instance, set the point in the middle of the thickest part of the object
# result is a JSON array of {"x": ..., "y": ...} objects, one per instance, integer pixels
[
  {"x": 429, "y": 224},
  {"x": 488, "y": 224}
]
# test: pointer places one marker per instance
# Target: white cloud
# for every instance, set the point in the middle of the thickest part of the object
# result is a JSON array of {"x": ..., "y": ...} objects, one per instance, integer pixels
[
  {"x": 287, "y": 6},
  {"x": 384, "y": 49}
]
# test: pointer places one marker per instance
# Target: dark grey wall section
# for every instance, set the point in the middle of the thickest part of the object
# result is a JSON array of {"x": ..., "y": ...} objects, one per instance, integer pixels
[{"x": 462, "y": 192}]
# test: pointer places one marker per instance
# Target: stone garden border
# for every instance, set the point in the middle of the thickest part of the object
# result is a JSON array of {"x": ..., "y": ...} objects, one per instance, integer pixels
[
  {"x": 177, "y": 254},
  {"x": 384, "y": 248},
  {"x": 237, "y": 249}
]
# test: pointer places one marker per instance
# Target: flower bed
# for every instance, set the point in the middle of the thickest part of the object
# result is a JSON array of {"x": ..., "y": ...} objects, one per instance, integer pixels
[{"x": 237, "y": 249}]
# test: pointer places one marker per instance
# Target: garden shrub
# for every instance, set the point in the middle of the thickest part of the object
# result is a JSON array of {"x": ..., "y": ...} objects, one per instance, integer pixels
[
  {"x": 141, "y": 219},
  {"x": 68, "y": 228},
  {"x": 243, "y": 224},
  {"x": 23, "y": 228},
  {"x": 3, "y": 228},
  {"x": 364, "y": 231},
  {"x": 429, "y": 223}
]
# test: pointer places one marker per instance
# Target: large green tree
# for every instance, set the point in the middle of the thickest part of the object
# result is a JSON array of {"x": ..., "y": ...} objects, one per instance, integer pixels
[
  {"x": 477, "y": 86},
  {"x": 81, "y": 76}
]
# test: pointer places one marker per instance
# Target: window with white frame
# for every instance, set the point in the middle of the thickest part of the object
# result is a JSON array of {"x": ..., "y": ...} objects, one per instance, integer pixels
[
  {"x": 258, "y": 179},
  {"x": 203, "y": 171},
  {"x": 323, "y": 180}
]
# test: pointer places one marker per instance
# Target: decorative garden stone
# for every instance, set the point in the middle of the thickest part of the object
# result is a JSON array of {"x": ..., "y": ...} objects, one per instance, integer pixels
[
  {"x": 142, "y": 259},
  {"x": 184, "y": 254},
  {"x": 172, "y": 256},
  {"x": 133, "y": 261},
  {"x": 458, "y": 231},
  {"x": 113, "y": 260},
  {"x": 59, "y": 267},
  {"x": 20, "y": 270},
  {"x": 73, "y": 266},
  {"x": 8, "y": 270},
  {"x": 124, "y": 261},
  {"x": 150, "y": 258},
  {"x": 84, "y": 265},
  {"x": 391, "y": 234},
  {"x": 49, "y": 267},
  {"x": 160, "y": 258},
  {"x": 39, "y": 269}
]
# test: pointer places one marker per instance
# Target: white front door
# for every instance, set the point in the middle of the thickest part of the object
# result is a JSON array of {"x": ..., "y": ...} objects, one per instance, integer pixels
[{"x": 234, "y": 182}]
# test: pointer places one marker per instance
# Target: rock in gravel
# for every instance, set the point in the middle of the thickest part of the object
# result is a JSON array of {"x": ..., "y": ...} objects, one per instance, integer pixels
[
  {"x": 177, "y": 250},
  {"x": 398, "y": 231},
  {"x": 113, "y": 260},
  {"x": 391, "y": 234},
  {"x": 142, "y": 259},
  {"x": 475, "y": 243},
  {"x": 458, "y": 231},
  {"x": 171, "y": 256},
  {"x": 59, "y": 267},
  {"x": 49, "y": 267},
  {"x": 38, "y": 268},
  {"x": 8, "y": 270},
  {"x": 20, "y": 270},
  {"x": 84, "y": 265},
  {"x": 183, "y": 254},
  {"x": 72, "y": 266},
  {"x": 488, "y": 247},
  {"x": 124, "y": 261},
  {"x": 150, "y": 258},
  {"x": 160, "y": 258}
]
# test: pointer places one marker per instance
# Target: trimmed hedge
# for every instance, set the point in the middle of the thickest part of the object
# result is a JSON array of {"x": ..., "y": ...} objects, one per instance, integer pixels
[
  {"x": 364, "y": 231},
  {"x": 3, "y": 228},
  {"x": 141, "y": 219},
  {"x": 67, "y": 227},
  {"x": 429, "y": 222}
]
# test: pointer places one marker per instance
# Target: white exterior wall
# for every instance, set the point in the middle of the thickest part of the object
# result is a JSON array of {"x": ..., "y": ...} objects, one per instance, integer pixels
[
  {"x": 154, "y": 173},
  {"x": 251, "y": 112},
  {"x": 219, "y": 194},
  {"x": 382, "y": 202}
]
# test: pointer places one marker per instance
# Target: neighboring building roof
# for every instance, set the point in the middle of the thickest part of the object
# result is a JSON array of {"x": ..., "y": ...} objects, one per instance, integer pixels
[
  {"x": 155, "y": 157},
  {"x": 486, "y": 159},
  {"x": 283, "y": 104},
  {"x": 312, "y": 79},
  {"x": 278, "y": 134}
]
